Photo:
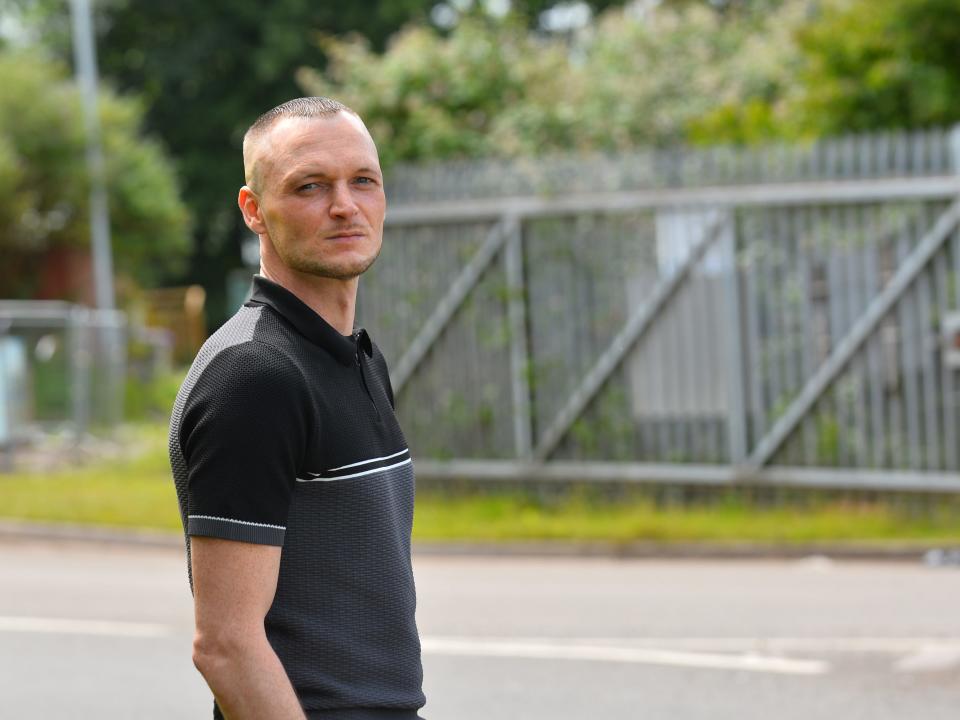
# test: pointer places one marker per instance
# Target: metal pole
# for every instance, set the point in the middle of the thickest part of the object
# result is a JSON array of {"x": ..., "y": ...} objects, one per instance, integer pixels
[
  {"x": 85, "y": 60},
  {"x": 78, "y": 328},
  {"x": 519, "y": 352},
  {"x": 7, "y": 440},
  {"x": 955, "y": 149},
  {"x": 736, "y": 410}
]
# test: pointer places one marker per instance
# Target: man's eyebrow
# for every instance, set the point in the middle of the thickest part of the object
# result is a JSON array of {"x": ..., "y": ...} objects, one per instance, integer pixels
[{"x": 305, "y": 172}]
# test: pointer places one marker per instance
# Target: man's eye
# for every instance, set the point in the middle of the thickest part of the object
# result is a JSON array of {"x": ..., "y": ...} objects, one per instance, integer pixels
[
  {"x": 364, "y": 180},
  {"x": 309, "y": 186}
]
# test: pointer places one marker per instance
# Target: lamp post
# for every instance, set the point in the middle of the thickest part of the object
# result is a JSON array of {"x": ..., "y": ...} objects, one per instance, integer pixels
[
  {"x": 111, "y": 349},
  {"x": 85, "y": 60}
]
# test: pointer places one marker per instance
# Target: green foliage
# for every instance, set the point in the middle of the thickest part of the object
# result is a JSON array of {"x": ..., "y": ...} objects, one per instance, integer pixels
[
  {"x": 493, "y": 88},
  {"x": 151, "y": 399},
  {"x": 649, "y": 79},
  {"x": 462, "y": 96},
  {"x": 680, "y": 73},
  {"x": 757, "y": 83},
  {"x": 44, "y": 184},
  {"x": 149, "y": 221},
  {"x": 854, "y": 65},
  {"x": 51, "y": 389},
  {"x": 880, "y": 64},
  {"x": 828, "y": 439},
  {"x": 43, "y": 179}
]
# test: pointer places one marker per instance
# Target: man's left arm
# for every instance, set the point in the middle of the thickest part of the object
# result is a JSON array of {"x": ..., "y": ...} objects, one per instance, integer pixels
[{"x": 234, "y": 585}]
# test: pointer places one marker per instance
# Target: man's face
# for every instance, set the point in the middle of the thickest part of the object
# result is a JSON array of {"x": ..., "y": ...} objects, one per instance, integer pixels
[{"x": 320, "y": 195}]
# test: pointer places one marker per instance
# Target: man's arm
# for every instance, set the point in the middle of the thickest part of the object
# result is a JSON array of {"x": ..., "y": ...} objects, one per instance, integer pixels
[{"x": 234, "y": 584}]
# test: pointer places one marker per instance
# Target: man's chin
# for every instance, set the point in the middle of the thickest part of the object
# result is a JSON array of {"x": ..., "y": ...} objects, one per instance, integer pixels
[{"x": 339, "y": 271}]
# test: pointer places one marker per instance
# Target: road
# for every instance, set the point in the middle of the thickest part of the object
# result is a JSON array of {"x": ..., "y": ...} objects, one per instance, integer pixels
[{"x": 104, "y": 631}]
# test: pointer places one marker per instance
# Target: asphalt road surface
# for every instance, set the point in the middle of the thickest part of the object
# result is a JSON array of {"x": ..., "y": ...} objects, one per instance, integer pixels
[{"x": 104, "y": 632}]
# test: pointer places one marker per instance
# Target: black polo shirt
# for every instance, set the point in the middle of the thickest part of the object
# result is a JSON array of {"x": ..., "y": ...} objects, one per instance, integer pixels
[{"x": 284, "y": 433}]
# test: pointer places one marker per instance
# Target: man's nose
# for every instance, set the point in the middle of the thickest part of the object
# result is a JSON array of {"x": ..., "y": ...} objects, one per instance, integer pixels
[{"x": 342, "y": 204}]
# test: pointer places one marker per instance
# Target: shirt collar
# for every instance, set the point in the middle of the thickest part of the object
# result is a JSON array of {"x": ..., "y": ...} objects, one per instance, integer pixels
[{"x": 309, "y": 323}]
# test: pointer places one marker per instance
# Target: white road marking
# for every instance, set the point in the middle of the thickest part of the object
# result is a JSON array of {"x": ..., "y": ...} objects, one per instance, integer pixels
[
  {"x": 478, "y": 647},
  {"x": 815, "y": 563},
  {"x": 923, "y": 654},
  {"x": 865, "y": 644},
  {"x": 65, "y": 626},
  {"x": 930, "y": 658}
]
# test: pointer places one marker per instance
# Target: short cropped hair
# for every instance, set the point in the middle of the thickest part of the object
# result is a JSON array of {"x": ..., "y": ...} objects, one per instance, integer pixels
[{"x": 303, "y": 107}]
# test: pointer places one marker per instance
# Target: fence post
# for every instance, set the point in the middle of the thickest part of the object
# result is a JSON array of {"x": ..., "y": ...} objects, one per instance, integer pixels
[
  {"x": 519, "y": 353},
  {"x": 7, "y": 434},
  {"x": 736, "y": 414},
  {"x": 78, "y": 328},
  {"x": 113, "y": 330},
  {"x": 955, "y": 149}
]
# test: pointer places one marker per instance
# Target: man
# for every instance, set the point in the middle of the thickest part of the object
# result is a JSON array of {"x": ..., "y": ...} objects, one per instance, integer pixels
[{"x": 293, "y": 477}]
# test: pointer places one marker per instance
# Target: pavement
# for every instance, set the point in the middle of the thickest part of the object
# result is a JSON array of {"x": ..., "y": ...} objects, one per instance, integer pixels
[{"x": 97, "y": 628}]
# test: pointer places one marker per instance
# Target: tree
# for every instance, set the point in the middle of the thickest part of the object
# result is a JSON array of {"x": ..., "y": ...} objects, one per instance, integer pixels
[
  {"x": 44, "y": 183},
  {"x": 756, "y": 99},
  {"x": 874, "y": 64},
  {"x": 841, "y": 66},
  {"x": 492, "y": 88},
  {"x": 435, "y": 97}
]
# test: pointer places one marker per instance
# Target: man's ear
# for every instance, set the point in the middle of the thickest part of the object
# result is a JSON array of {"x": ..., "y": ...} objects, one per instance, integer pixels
[{"x": 250, "y": 207}]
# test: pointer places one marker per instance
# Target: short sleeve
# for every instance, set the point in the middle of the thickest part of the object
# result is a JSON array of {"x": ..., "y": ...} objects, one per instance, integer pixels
[{"x": 244, "y": 429}]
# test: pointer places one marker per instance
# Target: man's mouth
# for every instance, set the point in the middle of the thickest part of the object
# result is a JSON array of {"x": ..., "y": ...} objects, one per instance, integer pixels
[{"x": 347, "y": 235}]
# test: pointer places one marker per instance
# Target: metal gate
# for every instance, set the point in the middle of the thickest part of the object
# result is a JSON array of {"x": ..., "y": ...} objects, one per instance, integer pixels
[{"x": 778, "y": 316}]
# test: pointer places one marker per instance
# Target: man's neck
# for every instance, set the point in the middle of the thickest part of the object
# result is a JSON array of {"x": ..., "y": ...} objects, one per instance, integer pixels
[{"x": 333, "y": 300}]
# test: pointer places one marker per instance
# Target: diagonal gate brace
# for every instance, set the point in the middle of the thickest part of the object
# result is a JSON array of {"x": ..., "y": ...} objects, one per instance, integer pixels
[
  {"x": 632, "y": 331},
  {"x": 450, "y": 303},
  {"x": 858, "y": 334}
]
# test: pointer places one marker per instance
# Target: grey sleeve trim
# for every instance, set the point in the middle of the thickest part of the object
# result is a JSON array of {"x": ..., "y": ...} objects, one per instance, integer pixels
[{"x": 228, "y": 529}]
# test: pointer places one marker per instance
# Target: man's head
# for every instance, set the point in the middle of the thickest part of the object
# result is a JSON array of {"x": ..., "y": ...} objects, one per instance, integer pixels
[{"x": 314, "y": 191}]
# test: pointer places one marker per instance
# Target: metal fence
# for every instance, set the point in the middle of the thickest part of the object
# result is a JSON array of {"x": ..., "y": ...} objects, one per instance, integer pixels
[
  {"x": 776, "y": 316},
  {"x": 62, "y": 369}
]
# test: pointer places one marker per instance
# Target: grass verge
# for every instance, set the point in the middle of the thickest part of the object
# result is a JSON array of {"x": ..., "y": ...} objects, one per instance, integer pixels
[
  {"x": 517, "y": 517},
  {"x": 138, "y": 493},
  {"x": 133, "y": 492}
]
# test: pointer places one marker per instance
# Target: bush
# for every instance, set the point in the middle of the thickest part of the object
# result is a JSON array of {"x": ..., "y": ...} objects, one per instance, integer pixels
[{"x": 151, "y": 399}]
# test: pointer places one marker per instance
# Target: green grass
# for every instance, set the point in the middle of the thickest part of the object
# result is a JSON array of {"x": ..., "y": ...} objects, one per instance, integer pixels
[
  {"x": 133, "y": 493},
  {"x": 513, "y": 517},
  {"x": 138, "y": 493}
]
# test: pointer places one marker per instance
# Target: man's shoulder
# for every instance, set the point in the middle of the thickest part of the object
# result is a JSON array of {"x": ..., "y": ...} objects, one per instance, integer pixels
[
  {"x": 251, "y": 322},
  {"x": 253, "y": 332},
  {"x": 247, "y": 349},
  {"x": 253, "y": 362}
]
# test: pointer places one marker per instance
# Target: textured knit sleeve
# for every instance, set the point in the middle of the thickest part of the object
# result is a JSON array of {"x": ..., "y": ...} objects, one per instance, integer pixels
[{"x": 244, "y": 430}]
